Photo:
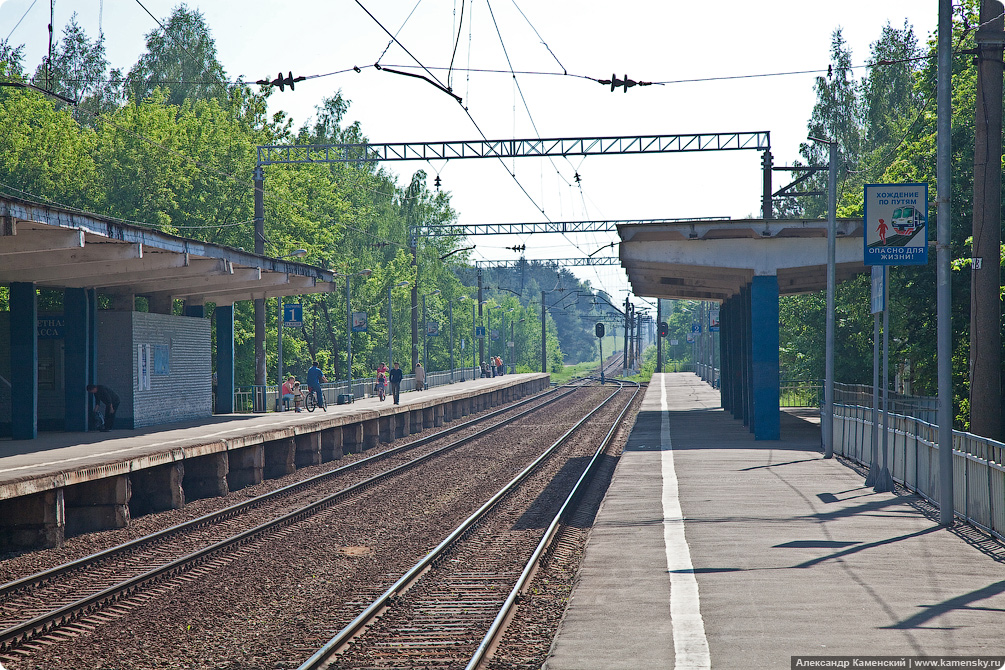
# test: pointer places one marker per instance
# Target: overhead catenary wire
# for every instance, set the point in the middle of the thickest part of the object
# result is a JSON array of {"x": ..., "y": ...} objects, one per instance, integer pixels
[{"x": 20, "y": 20}]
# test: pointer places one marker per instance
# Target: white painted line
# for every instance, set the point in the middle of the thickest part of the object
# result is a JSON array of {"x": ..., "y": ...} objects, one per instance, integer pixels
[{"x": 690, "y": 644}]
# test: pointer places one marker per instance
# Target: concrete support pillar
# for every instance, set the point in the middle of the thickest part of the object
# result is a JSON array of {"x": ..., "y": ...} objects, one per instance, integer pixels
[
  {"x": 331, "y": 444},
  {"x": 280, "y": 458},
  {"x": 206, "y": 476},
  {"x": 308, "y": 449},
  {"x": 415, "y": 418},
  {"x": 100, "y": 504},
  {"x": 195, "y": 307},
  {"x": 428, "y": 417},
  {"x": 122, "y": 302},
  {"x": 352, "y": 438},
  {"x": 744, "y": 359},
  {"x": 160, "y": 303},
  {"x": 37, "y": 521},
  {"x": 438, "y": 415},
  {"x": 76, "y": 400},
  {"x": 224, "y": 316},
  {"x": 385, "y": 427},
  {"x": 371, "y": 433},
  {"x": 92, "y": 338},
  {"x": 24, "y": 360},
  {"x": 764, "y": 357},
  {"x": 402, "y": 424},
  {"x": 246, "y": 466},
  {"x": 157, "y": 489}
]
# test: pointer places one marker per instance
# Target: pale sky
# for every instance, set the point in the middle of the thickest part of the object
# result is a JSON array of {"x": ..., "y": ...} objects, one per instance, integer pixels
[{"x": 658, "y": 41}]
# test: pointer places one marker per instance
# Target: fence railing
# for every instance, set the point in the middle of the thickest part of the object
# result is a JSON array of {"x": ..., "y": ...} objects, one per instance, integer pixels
[
  {"x": 913, "y": 459},
  {"x": 801, "y": 393},
  {"x": 918, "y": 406},
  {"x": 249, "y": 399}
]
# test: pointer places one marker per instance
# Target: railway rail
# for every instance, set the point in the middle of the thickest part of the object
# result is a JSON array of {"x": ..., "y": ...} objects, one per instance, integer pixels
[
  {"x": 43, "y": 604},
  {"x": 451, "y": 607}
]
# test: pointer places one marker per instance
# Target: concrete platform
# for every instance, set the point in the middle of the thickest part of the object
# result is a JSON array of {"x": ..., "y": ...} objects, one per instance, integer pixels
[
  {"x": 66, "y": 483},
  {"x": 712, "y": 550}
]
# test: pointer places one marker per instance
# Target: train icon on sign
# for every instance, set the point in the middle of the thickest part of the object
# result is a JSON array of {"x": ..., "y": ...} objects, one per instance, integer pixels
[{"x": 906, "y": 220}]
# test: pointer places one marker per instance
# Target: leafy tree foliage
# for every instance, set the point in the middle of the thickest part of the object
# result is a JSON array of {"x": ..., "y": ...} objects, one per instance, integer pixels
[
  {"x": 181, "y": 58},
  {"x": 886, "y": 126}
]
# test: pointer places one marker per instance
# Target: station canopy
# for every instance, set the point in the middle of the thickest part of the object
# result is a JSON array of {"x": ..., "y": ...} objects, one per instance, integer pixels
[
  {"x": 62, "y": 248},
  {"x": 713, "y": 260}
]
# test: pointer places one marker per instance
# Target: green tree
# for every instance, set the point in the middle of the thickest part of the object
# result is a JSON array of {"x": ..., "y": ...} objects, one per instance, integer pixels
[{"x": 180, "y": 58}]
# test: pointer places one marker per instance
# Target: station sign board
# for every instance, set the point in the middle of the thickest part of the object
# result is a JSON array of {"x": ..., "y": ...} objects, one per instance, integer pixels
[
  {"x": 359, "y": 322},
  {"x": 896, "y": 224}
]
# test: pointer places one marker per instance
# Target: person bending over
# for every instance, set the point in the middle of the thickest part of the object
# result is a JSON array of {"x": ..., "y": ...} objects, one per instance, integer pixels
[{"x": 108, "y": 397}]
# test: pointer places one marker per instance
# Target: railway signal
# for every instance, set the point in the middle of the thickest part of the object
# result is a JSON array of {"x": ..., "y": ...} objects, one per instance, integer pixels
[
  {"x": 664, "y": 329},
  {"x": 599, "y": 330}
]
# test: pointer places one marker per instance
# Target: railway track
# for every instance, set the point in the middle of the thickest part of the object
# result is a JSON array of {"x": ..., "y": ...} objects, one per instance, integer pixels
[
  {"x": 44, "y": 606},
  {"x": 450, "y": 608}
]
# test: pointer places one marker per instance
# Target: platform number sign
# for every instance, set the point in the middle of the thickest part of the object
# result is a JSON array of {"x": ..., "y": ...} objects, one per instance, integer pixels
[
  {"x": 293, "y": 315},
  {"x": 896, "y": 224}
]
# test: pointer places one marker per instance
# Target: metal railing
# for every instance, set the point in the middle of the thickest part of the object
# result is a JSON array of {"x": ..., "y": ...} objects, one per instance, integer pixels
[
  {"x": 801, "y": 393},
  {"x": 917, "y": 406},
  {"x": 978, "y": 473},
  {"x": 250, "y": 399}
]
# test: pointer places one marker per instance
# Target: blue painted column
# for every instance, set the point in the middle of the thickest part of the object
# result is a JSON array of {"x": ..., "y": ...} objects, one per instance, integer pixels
[
  {"x": 764, "y": 357},
  {"x": 725, "y": 383},
  {"x": 744, "y": 346},
  {"x": 92, "y": 341},
  {"x": 76, "y": 350},
  {"x": 24, "y": 360},
  {"x": 224, "y": 359}
]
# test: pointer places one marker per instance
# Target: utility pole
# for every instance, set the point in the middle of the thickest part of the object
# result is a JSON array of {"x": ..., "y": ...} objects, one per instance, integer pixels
[
  {"x": 628, "y": 306},
  {"x": 259, "y": 177},
  {"x": 944, "y": 293},
  {"x": 481, "y": 340},
  {"x": 413, "y": 242},
  {"x": 659, "y": 339},
  {"x": 544, "y": 336},
  {"x": 985, "y": 273}
]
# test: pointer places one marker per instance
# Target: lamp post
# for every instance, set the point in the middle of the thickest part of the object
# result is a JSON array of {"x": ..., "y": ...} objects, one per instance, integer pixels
[
  {"x": 474, "y": 333},
  {"x": 488, "y": 332},
  {"x": 450, "y": 307},
  {"x": 508, "y": 346},
  {"x": 390, "y": 350},
  {"x": 827, "y": 420},
  {"x": 425, "y": 331},
  {"x": 299, "y": 253},
  {"x": 348, "y": 319}
]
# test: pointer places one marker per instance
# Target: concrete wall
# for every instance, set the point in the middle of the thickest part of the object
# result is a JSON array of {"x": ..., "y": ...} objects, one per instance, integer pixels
[{"x": 183, "y": 393}]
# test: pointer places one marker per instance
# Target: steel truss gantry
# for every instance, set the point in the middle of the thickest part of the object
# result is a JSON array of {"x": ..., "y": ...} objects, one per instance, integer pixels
[
  {"x": 564, "y": 262},
  {"x": 600, "y": 226},
  {"x": 576, "y": 146}
]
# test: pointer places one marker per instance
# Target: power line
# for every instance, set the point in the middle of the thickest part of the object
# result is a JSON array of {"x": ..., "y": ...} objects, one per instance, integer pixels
[{"x": 21, "y": 19}]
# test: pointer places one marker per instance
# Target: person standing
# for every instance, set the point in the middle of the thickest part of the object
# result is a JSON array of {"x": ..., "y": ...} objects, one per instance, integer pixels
[
  {"x": 314, "y": 380},
  {"x": 395, "y": 378},
  {"x": 420, "y": 377},
  {"x": 103, "y": 394}
]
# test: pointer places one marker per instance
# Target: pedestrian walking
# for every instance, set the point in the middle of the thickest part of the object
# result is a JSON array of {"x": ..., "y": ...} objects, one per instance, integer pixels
[
  {"x": 395, "y": 378},
  {"x": 420, "y": 377}
]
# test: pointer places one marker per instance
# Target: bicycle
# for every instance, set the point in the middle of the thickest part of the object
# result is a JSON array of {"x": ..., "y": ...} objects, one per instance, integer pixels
[{"x": 311, "y": 401}]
